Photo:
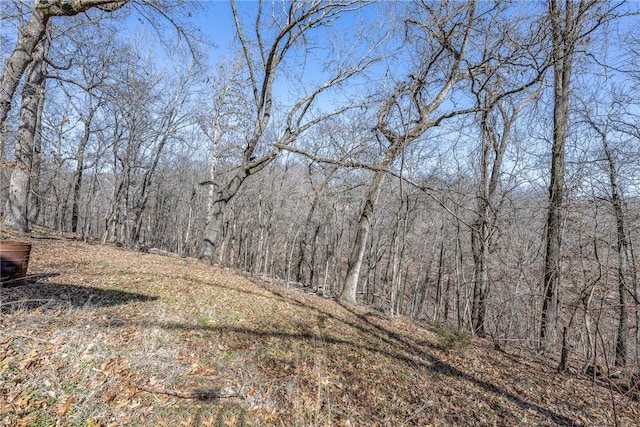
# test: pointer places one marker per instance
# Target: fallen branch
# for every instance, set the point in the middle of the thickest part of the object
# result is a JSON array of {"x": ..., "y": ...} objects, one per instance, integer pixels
[{"x": 195, "y": 394}]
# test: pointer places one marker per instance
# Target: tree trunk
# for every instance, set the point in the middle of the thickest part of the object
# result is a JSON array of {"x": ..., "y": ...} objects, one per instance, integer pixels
[
  {"x": 77, "y": 176},
  {"x": 30, "y": 36},
  {"x": 492, "y": 155},
  {"x": 112, "y": 217},
  {"x": 35, "y": 192},
  {"x": 563, "y": 38},
  {"x": 350, "y": 286},
  {"x": 479, "y": 235},
  {"x": 213, "y": 228},
  {"x": 636, "y": 294},
  {"x": 440, "y": 278},
  {"x": 623, "y": 253},
  {"x": 217, "y": 208},
  {"x": 480, "y": 282},
  {"x": 399, "y": 281},
  {"x": 17, "y": 209},
  {"x": 143, "y": 195},
  {"x": 302, "y": 244},
  {"x": 422, "y": 283},
  {"x": 394, "y": 261}
]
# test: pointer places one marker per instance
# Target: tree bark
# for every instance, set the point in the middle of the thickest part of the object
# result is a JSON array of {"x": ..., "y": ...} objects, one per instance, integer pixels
[
  {"x": 17, "y": 209},
  {"x": 622, "y": 336},
  {"x": 21, "y": 56},
  {"x": 440, "y": 278},
  {"x": 480, "y": 278},
  {"x": 359, "y": 245},
  {"x": 35, "y": 192},
  {"x": 77, "y": 176},
  {"x": 215, "y": 216},
  {"x": 563, "y": 39},
  {"x": 571, "y": 27},
  {"x": 480, "y": 229}
]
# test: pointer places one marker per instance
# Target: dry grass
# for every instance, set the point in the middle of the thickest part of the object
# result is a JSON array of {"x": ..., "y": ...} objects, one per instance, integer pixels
[{"x": 102, "y": 336}]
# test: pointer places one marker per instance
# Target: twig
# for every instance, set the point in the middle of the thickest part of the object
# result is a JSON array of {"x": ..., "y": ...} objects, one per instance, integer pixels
[
  {"x": 25, "y": 301},
  {"x": 415, "y": 413},
  {"x": 29, "y": 337},
  {"x": 609, "y": 382}
]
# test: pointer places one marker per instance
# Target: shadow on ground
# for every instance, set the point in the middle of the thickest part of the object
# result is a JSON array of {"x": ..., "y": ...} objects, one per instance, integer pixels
[
  {"x": 39, "y": 293},
  {"x": 374, "y": 337}
]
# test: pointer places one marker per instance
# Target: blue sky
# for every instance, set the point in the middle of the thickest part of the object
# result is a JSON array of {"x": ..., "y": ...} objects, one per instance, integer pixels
[{"x": 216, "y": 21}]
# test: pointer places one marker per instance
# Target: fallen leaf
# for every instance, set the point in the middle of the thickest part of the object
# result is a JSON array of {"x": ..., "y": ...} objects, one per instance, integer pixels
[
  {"x": 66, "y": 406},
  {"x": 26, "y": 363}
]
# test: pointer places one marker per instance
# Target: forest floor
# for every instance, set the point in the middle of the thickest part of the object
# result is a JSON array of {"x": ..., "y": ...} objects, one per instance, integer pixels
[{"x": 101, "y": 336}]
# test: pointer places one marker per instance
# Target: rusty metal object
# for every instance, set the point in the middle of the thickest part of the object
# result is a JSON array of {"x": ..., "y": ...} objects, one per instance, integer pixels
[{"x": 14, "y": 260}]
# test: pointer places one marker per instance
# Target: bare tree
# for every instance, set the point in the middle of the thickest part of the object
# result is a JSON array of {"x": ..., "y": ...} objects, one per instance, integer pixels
[
  {"x": 494, "y": 145},
  {"x": 27, "y": 139},
  {"x": 29, "y": 38},
  {"x": 32, "y": 34},
  {"x": 222, "y": 124},
  {"x": 263, "y": 57},
  {"x": 500, "y": 100},
  {"x": 92, "y": 51},
  {"x": 441, "y": 39},
  {"x": 150, "y": 109},
  {"x": 571, "y": 25},
  {"x": 623, "y": 245}
]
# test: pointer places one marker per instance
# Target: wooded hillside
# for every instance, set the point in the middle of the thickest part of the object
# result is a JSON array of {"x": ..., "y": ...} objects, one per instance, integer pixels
[
  {"x": 102, "y": 336},
  {"x": 471, "y": 164}
]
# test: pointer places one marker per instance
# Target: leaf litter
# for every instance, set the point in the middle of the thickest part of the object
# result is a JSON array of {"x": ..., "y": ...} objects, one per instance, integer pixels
[{"x": 101, "y": 336}]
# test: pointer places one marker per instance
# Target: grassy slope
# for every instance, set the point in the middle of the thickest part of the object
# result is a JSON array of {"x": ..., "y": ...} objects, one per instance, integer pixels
[{"x": 110, "y": 337}]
